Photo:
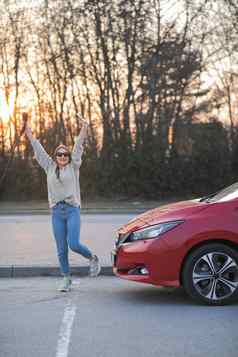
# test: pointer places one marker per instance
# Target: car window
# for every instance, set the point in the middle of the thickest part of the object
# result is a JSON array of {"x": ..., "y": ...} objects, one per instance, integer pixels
[{"x": 227, "y": 194}]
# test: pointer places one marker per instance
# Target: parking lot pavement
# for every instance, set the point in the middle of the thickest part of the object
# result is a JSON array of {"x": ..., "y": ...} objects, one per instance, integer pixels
[
  {"x": 110, "y": 317},
  {"x": 27, "y": 240}
]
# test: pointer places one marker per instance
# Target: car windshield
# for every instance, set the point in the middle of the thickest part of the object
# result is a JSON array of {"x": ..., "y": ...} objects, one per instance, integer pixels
[{"x": 226, "y": 194}]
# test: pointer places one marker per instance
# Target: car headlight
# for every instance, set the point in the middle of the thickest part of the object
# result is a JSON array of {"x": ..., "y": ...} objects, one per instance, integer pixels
[{"x": 154, "y": 231}]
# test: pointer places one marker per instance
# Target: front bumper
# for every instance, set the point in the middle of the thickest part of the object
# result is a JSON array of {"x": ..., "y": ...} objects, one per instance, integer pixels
[
  {"x": 147, "y": 261},
  {"x": 129, "y": 261}
]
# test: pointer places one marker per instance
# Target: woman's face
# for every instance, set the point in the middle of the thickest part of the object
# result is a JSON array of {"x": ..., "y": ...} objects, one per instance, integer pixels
[{"x": 62, "y": 157}]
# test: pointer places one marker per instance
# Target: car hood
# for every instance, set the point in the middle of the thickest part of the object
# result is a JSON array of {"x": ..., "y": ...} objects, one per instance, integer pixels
[{"x": 174, "y": 211}]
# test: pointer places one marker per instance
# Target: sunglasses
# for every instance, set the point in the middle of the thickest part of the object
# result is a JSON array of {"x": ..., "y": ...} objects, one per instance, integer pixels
[{"x": 60, "y": 154}]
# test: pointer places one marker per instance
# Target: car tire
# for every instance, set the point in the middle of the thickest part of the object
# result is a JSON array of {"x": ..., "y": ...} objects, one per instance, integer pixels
[{"x": 210, "y": 274}]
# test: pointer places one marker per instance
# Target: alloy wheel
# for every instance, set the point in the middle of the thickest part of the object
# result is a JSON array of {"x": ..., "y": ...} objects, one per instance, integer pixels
[{"x": 215, "y": 276}]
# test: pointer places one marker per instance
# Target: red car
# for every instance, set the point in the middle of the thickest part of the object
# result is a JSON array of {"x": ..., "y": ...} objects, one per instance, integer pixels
[{"x": 193, "y": 244}]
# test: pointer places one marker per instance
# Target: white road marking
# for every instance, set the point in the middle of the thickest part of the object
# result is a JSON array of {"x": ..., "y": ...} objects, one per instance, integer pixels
[{"x": 65, "y": 329}]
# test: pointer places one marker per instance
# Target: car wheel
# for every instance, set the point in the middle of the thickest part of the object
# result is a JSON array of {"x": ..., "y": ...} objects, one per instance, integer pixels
[{"x": 210, "y": 274}]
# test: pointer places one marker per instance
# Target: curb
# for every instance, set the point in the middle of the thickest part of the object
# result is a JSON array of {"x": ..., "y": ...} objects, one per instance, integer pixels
[{"x": 14, "y": 271}]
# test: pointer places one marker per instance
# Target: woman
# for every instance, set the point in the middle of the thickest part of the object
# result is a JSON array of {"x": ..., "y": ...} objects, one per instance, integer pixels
[{"x": 64, "y": 200}]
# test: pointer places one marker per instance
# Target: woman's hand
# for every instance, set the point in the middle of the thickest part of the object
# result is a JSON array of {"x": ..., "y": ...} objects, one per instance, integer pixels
[
  {"x": 28, "y": 132},
  {"x": 82, "y": 120}
]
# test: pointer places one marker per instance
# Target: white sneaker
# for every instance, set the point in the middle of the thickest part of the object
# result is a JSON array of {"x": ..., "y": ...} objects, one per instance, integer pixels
[
  {"x": 94, "y": 267},
  {"x": 65, "y": 284}
]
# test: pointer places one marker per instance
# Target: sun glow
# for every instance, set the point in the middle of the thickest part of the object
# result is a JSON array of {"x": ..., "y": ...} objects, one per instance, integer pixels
[{"x": 6, "y": 106}]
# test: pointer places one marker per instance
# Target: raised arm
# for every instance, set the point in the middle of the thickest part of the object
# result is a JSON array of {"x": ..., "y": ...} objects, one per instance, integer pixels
[
  {"x": 78, "y": 146},
  {"x": 41, "y": 155}
]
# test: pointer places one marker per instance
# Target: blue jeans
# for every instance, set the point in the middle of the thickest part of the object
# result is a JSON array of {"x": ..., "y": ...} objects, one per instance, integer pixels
[{"x": 66, "y": 228}]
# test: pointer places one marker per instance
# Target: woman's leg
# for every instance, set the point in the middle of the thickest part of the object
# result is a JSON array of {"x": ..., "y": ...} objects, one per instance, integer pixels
[
  {"x": 60, "y": 234},
  {"x": 73, "y": 229}
]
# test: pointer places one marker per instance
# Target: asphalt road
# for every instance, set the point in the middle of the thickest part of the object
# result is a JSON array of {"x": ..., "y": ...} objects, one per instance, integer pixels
[
  {"x": 28, "y": 239},
  {"x": 107, "y": 317}
]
